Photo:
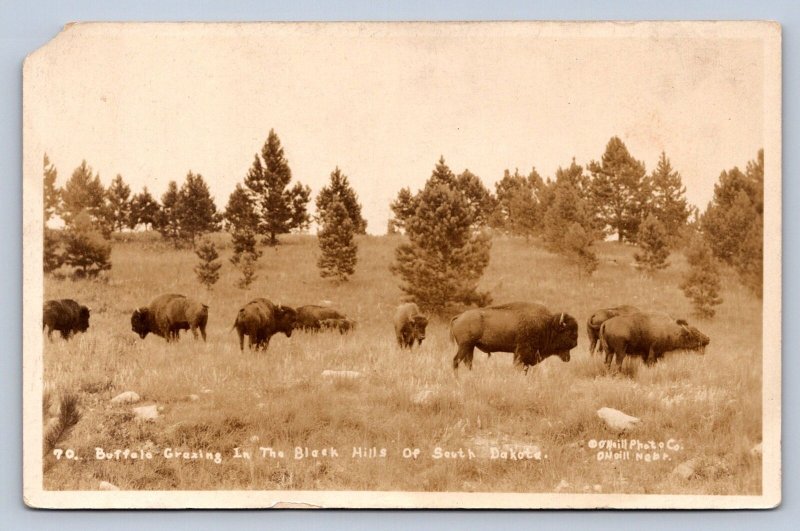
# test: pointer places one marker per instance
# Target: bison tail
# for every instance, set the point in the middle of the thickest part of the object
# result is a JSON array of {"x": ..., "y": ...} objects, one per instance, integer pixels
[
  {"x": 452, "y": 334},
  {"x": 603, "y": 344},
  {"x": 236, "y": 322}
]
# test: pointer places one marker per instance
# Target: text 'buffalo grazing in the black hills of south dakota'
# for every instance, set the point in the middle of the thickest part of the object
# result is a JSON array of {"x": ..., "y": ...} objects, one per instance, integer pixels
[
  {"x": 528, "y": 330},
  {"x": 66, "y": 316},
  {"x": 260, "y": 319},
  {"x": 649, "y": 335},
  {"x": 168, "y": 314},
  {"x": 311, "y": 317},
  {"x": 599, "y": 317},
  {"x": 409, "y": 325}
]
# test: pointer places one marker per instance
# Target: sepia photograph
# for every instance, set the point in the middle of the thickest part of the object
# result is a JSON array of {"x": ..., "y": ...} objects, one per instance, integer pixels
[{"x": 403, "y": 265}]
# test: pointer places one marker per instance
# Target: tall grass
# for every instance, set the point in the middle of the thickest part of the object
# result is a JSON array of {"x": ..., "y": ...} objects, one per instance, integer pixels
[{"x": 216, "y": 398}]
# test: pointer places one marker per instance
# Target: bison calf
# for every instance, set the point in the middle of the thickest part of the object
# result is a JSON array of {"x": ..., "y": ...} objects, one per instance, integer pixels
[
  {"x": 310, "y": 317},
  {"x": 260, "y": 319},
  {"x": 409, "y": 325},
  {"x": 601, "y": 316},
  {"x": 342, "y": 325},
  {"x": 66, "y": 316},
  {"x": 168, "y": 314}
]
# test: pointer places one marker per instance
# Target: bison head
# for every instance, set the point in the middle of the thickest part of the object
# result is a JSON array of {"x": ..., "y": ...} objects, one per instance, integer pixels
[
  {"x": 563, "y": 335},
  {"x": 285, "y": 319},
  {"x": 83, "y": 319},
  {"x": 416, "y": 328},
  {"x": 690, "y": 338},
  {"x": 140, "y": 322}
]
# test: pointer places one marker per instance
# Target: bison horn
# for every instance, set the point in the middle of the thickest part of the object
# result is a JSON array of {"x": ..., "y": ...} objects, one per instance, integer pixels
[{"x": 561, "y": 319}]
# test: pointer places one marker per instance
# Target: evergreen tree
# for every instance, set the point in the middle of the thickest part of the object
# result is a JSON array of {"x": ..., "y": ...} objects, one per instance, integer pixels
[
  {"x": 337, "y": 243},
  {"x": 403, "y": 208},
  {"x": 144, "y": 210},
  {"x": 280, "y": 210},
  {"x": 480, "y": 201},
  {"x": 653, "y": 239},
  {"x": 517, "y": 209},
  {"x": 444, "y": 258},
  {"x": 247, "y": 266},
  {"x": 339, "y": 189},
  {"x": 85, "y": 248},
  {"x": 565, "y": 206},
  {"x": 168, "y": 222},
  {"x": 207, "y": 270},
  {"x": 52, "y": 196},
  {"x": 668, "y": 200},
  {"x": 242, "y": 223},
  {"x": 118, "y": 203},
  {"x": 733, "y": 223},
  {"x": 576, "y": 246},
  {"x": 196, "y": 212},
  {"x": 701, "y": 283},
  {"x": 52, "y": 257},
  {"x": 618, "y": 191},
  {"x": 84, "y": 193}
]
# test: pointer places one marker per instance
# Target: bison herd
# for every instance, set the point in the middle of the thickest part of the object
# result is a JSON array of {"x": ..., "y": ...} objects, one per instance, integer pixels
[{"x": 527, "y": 330}]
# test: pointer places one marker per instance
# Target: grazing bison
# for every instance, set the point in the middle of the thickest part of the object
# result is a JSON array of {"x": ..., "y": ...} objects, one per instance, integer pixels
[
  {"x": 649, "y": 335},
  {"x": 309, "y": 317},
  {"x": 527, "y": 329},
  {"x": 409, "y": 325},
  {"x": 342, "y": 325},
  {"x": 168, "y": 314},
  {"x": 260, "y": 319},
  {"x": 66, "y": 316},
  {"x": 601, "y": 316}
]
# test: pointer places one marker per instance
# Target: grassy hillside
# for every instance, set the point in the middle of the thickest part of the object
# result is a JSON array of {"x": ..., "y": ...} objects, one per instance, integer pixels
[{"x": 215, "y": 398}]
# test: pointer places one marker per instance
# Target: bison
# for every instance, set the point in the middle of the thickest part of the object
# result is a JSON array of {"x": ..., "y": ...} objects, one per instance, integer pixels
[
  {"x": 309, "y": 317},
  {"x": 649, "y": 335},
  {"x": 528, "y": 330},
  {"x": 260, "y": 319},
  {"x": 342, "y": 325},
  {"x": 601, "y": 316},
  {"x": 66, "y": 316},
  {"x": 409, "y": 325},
  {"x": 168, "y": 314}
]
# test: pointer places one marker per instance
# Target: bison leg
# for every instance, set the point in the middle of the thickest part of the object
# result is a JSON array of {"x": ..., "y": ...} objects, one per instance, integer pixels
[
  {"x": 241, "y": 340},
  {"x": 203, "y": 332},
  {"x": 194, "y": 332},
  {"x": 465, "y": 354},
  {"x": 620, "y": 356},
  {"x": 652, "y": 357},
  {"x": 65, "y": 333},
  {"x": 592, "y": 339}
]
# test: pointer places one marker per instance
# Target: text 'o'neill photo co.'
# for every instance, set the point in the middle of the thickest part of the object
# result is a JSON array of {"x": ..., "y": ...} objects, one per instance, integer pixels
[{"x": 403, "y": 265}]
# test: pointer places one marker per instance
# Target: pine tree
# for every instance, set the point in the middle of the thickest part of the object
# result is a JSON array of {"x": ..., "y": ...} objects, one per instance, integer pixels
[
  {"x": 280, "y": 210},
  {"x": 337, "y": 243},
  {"x": 247, "y": 266},
  {"x": 241, "y": 222},
  {"x": 339, "y": 189},
  {"x": 52, "y": 256},
  {"x": 733, "y": 223},
  {"x": 444, "y": 258},
  {"x": 701, "y": 283},
  {"x": 576, "y": 246},
  {"x": 195, "y": 209},
  {"x": 144, "y": 210},
  {"x": 518, "y": 210},
  {"x": 618, "y": 191},
  {"x": 565, "y": 206},
  {"x": 168, "y": 222},
  {"x": 85, "y": 248},
  {"x": 207, "y": 270},
  {"x": 403, "y": 208},
  {"x": 84, "y": 193},
  {"x": 52, "y": 196},
  {"x": 480, "y": 201},
  {"x": 668, "y": 199},
  {"x": 118, "y": 203},
  {"x": 654, "y": 240}
]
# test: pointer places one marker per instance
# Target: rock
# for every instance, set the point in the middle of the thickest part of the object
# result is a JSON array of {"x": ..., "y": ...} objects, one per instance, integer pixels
[
  {"x": 194, "y": 398},
  {"x": 563, "y": 484},
  {"x": 756, "y": 451},
  {"x": 341, "y": 374},
  {"x": 422, "y": 398},
  {"x": 128, "y": 397},
  {"x": 105, "y": 485},
  {"x": 617, "y": 420},
  {"x": 687, "y": 469},
  {"x": 146, "y": 412}
]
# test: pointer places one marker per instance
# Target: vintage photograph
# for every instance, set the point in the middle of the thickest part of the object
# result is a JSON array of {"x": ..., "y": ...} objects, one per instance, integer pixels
[{"x": 456, "y": 265}]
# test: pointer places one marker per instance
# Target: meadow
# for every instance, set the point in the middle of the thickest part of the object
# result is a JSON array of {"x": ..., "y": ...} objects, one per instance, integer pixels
[{"x": 214, "y": 398}]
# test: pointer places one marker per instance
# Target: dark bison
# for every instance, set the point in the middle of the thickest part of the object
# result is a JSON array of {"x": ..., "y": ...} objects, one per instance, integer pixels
[
  {"x": 342, "y": 325},
  {"x": 168, "y": 314},
  {"x": 528, "y": 330},
  {"x": 409, "y": 325},
  {"x": 649, "y": 335},
  {"x": 309, "y": 317},
  {"x": 601, "y": 316},
  {"x": 66, "y": 316},
  {"x": 260, "y": 319}
]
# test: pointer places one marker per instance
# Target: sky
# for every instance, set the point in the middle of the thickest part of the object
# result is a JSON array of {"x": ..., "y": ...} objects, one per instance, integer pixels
[{"x": 383, "y": 102}]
